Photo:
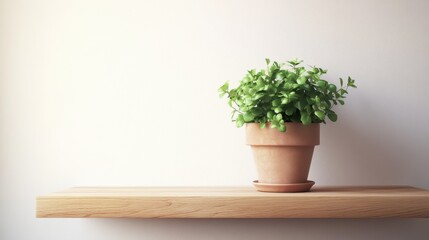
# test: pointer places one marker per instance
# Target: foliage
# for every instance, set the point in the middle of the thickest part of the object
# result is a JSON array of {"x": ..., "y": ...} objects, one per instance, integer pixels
[{"x": 285, "y": 92}]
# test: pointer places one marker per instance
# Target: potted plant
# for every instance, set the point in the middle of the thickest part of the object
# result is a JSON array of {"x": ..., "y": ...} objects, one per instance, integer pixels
[{"x": 282, "y": 108}]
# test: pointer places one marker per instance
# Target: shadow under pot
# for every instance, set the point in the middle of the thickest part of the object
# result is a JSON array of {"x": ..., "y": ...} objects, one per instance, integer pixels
[{"x": 283, "y": 158}]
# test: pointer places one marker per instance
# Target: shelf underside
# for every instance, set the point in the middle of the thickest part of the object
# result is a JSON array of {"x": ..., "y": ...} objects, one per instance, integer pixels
[{"x": 234, "y": 202}]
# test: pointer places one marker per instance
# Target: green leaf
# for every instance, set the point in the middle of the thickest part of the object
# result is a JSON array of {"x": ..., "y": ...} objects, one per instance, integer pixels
[
  {"x": 305, "y": 118},
  {"x": 323, "y": 105},
  {"x": 248, "y": 100},
  {"x": 258, "y": 96},
  {"x": 273, "y": 69},
  {"x": 282, "y": 128},
  {"x": 341, "y": 101},
  {"x": 270, "y": 114},
  {"x": 320, "y": 115},
  {"x": 295, "y": 62},
  {"x": 301, "y": 104},
  {"x": 332, "y": 88},
  {"x": 252, "y": 91},
  {"x": 224, "y": 88},
  {"x": 317, "y": 99},
  {"x": 248, "y": 117},
  {"x": 247, "y": 79},
  {"x": 279, "y": 77},
  {"x": 351, "y": 82},
  {"x": 239, "y": 121},
  {"x": 278, "y": 110},
  {"x": 341, "y": 82},
  {"x": 293, "y": 96},
  {"x": 267, "y": 61},
  {"x": 276, "y": 102},
  {"x": 321, "y": 83},
  {"x": 315, "y": 70},
  {"x": 258, "y": 111},
  {"x": 290, "y": 111},
  {"x": 332, "y": 116},
  {"x": 301, "y": 80},
  {"x": 279, "y": 117},
  {"x": 285, "y": 100},
  {"x": 262, "y": 125}
]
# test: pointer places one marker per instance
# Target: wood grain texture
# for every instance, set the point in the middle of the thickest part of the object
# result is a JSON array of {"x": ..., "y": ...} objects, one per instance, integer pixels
[{"x": 234, "y": 202}]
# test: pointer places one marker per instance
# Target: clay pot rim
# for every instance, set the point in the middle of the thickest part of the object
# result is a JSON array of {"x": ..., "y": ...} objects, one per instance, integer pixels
[{"x": 296, "y": 134}]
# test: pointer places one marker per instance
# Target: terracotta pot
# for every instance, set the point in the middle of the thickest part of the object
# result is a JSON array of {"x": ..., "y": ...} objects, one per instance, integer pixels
[{"x": 283, "y": 158}]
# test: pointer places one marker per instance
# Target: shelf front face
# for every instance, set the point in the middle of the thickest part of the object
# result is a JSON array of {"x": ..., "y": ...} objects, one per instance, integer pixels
[{"x": 234, "y": 202}]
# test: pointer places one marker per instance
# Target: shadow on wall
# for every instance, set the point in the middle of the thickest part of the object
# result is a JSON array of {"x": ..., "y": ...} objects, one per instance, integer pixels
[
  {"x": 259, "y": 228},
  {"x": 370, "y": 151}
]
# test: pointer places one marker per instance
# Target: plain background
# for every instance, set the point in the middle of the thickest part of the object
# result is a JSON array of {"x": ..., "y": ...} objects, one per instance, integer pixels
[{"x": 124, "y": 93}]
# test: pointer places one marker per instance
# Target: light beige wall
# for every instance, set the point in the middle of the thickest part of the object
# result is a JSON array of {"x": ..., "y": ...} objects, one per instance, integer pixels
[{"x": 124, "y": 93}]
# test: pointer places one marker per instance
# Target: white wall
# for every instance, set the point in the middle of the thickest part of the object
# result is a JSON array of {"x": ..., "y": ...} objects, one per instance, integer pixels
[{"x": 125, "y": 93}]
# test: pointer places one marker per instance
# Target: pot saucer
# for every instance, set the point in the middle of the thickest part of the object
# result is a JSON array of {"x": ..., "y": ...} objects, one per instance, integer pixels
[{"x": 285, "y": 188}]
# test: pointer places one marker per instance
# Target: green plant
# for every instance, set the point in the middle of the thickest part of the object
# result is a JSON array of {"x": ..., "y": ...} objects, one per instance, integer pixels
[{"x": 282, "y": 94}]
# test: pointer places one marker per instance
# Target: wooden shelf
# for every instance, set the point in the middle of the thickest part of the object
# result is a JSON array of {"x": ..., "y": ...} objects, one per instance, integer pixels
[{"x": 234, "y": 202}]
